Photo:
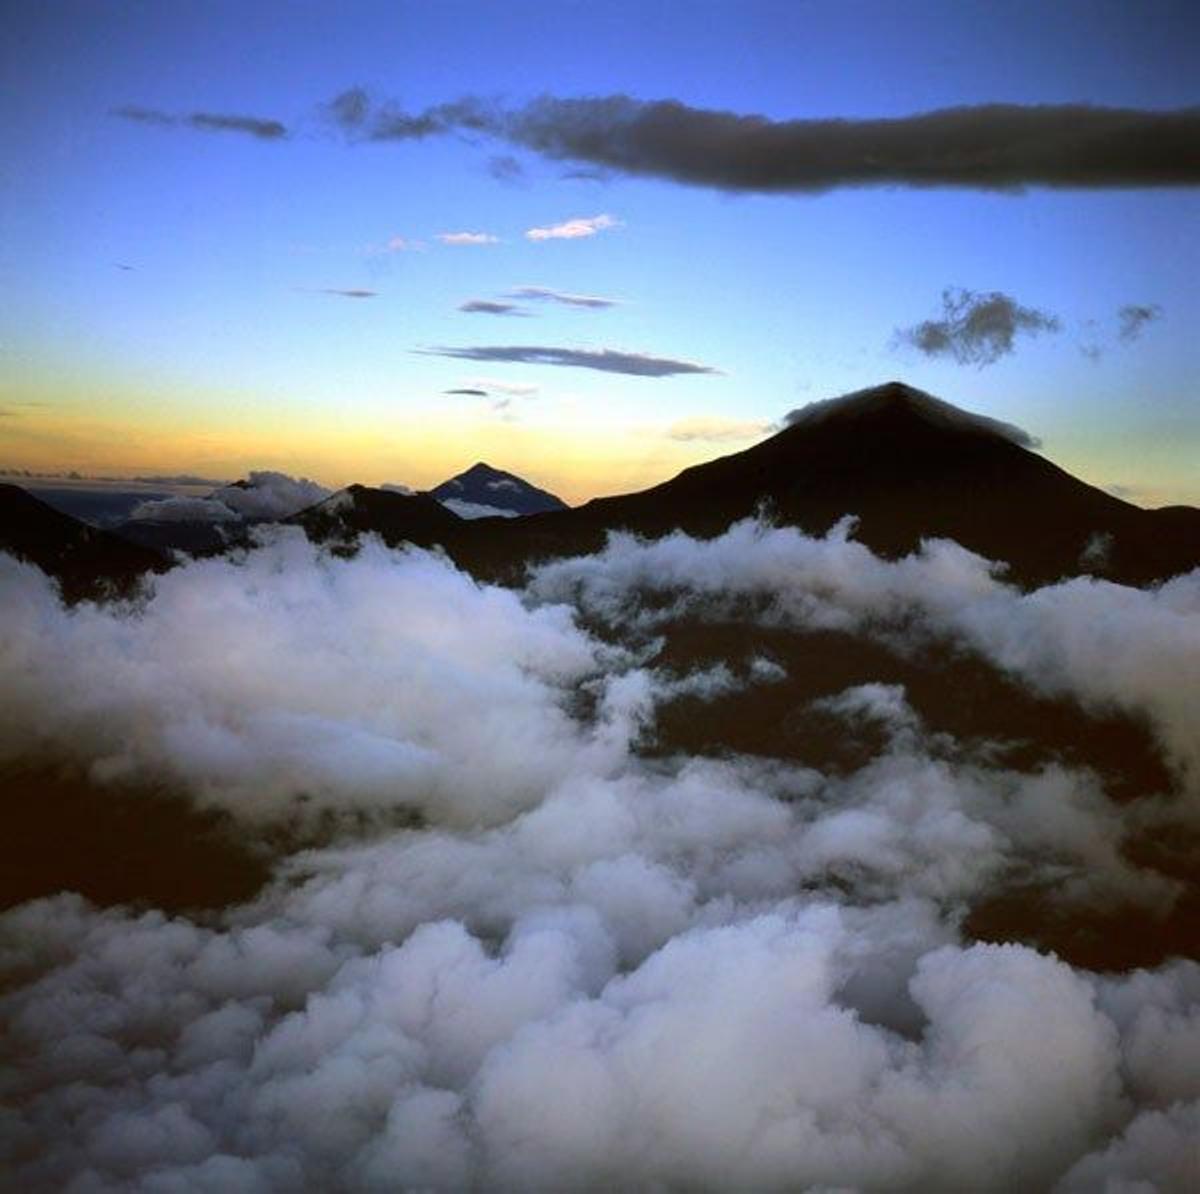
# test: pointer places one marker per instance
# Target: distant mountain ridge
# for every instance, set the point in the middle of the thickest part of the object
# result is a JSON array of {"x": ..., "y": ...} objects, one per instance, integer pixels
[{"x": 907, "y": 466}]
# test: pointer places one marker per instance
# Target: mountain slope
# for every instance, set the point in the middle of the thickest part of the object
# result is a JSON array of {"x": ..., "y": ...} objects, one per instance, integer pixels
[
  {"x": 86, "y": 562},
  {"x": 482, "y": 485},
  {"x": 394, "y": 517}
]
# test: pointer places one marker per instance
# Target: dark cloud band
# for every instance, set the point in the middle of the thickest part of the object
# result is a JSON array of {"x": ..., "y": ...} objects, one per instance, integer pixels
[{"x": 991, "y": 146}]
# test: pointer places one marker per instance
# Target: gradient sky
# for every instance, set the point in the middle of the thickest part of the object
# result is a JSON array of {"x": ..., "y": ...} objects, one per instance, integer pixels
[{"x": 170, "y": 290}]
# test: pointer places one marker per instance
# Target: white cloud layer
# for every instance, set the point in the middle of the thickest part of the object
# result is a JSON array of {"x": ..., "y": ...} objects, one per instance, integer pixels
[{"x": 582, "y": 968}]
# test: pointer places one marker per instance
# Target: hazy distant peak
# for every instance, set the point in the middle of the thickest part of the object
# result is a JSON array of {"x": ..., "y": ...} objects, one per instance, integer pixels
[
  {"x": 492, "y": 491},
  {"x": 897, "y": 395}
]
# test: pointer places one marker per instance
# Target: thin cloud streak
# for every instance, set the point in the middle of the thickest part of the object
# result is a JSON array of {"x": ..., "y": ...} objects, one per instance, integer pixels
[
  {"x": 211, "y": 122},
  {"x": 605, "y": 360},
  {"x": 714, "y": 429},
  {"x": 545, "y": 294},
  {"x": 490, "y": 307}
]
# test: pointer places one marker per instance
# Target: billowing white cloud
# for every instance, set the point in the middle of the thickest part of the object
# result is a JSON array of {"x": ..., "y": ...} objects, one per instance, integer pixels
[
  {"x": 183, "y": 509},
  {"x": 573, "y": 965},
  {"x": 264, "y": 495},
  {"x": 575, "y": 229},
  {"x": 1104, "y": 644}
]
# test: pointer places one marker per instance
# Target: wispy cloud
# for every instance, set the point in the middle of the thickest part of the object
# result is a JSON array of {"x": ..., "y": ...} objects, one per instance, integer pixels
[
  {"x": 350, "y": 294},
  {"x": 606, "y": 360},
  {"x": 515, "y": 389},
  {"x": 544, "y": 294},
  {"x": 211, "y": 122},
  {"x": 403, "y": 244},
  {"x": 717, "y": 430},
  {"x": 505, "y": 168},
  {"x": 489, "y": 307},
  {"x": 976, "y": 329},
  {"x": 468, "y": 238},
  {"x": 988, "y": 146},
  {"x": 1133, "y": 318},
  {"x": 575, "y": 229},
  {"x": 467, "y": 391}
]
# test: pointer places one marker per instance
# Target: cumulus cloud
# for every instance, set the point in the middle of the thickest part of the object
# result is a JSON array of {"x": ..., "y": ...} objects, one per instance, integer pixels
[
  {"x": 490, "y": 307},
  {"x": 991, "y": 146},
  {"x": 268, "y": 495},
  {"x": 976, "y": 329},
  {"x": 717, "y": 430},
  {"x": 557, "y": 961},
  {"x": 468, "y": 238},
  {"x": 1133, "y": 318},
  {"x": 253, "y": 126},
  {"x": 606, "y": 360},
  {"x": 576, "y": 229},
  {"x": 544, "y": 294},
  {"x": 264, "y": 495},
  {"x": 183, "y": 509}
]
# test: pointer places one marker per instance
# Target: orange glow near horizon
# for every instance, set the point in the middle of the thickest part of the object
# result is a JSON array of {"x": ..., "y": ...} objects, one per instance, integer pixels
[{"x": 120, "y": 431}]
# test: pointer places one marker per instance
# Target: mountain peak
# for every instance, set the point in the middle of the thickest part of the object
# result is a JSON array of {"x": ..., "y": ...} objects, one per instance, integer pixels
[
  {"x": 482, "y": 489},
  {"x": 896, "y": 396}
]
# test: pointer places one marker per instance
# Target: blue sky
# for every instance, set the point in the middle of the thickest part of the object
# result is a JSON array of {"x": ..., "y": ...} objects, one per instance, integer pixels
[{"x": 220, "y": 349}]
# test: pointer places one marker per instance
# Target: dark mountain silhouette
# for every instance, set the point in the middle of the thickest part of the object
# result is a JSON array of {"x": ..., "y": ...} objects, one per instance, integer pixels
[
  {"x": 192, "y": 538},
  {"x": 395, "y": 517},
  {"x": 908, "y": 467},
  {"x": 482, "y": 485},
  {"x": 86, "y": 561}
]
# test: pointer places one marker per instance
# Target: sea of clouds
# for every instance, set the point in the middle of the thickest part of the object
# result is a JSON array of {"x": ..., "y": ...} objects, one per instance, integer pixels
[{"x": 528, "y": 954}]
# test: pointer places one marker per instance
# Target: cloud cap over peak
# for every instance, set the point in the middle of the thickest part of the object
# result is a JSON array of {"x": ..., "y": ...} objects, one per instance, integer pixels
[{"x": 926, "y": 406}]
